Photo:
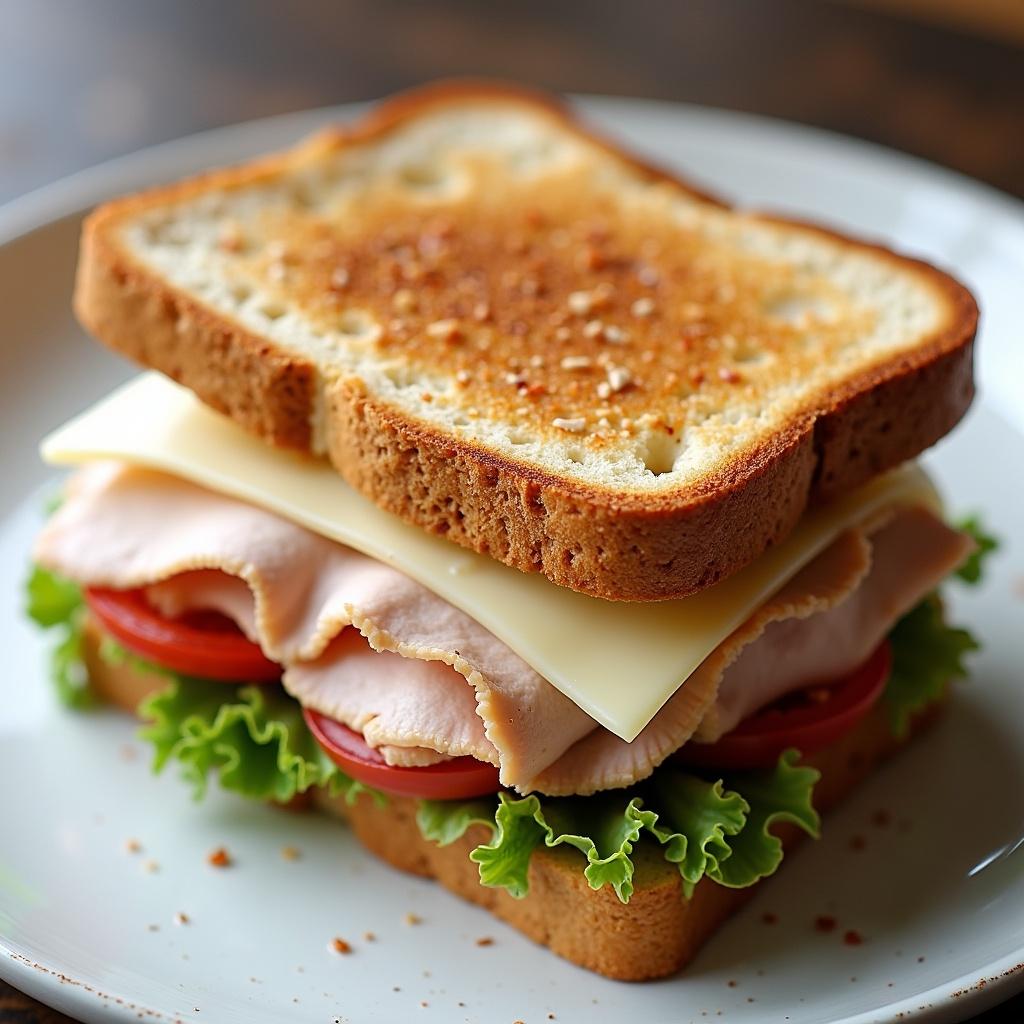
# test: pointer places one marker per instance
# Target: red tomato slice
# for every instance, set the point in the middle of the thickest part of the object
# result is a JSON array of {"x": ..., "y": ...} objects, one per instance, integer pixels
[
  {"x": 809, "y": 721},
  {"x": 458, "y": 779},
  {"x": 203, "y": 644}
]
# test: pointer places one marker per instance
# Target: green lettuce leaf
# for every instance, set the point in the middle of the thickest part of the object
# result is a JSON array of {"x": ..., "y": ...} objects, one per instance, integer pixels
[
  {"x": 703, "y": 827},
  {"x": 445, "y": 821},
  {"x": 603, "y": 827},
  {"x": 252, "y": 738},
  {"x": 926, "y": 655},
  {"x": 51, "y": 600},
  {"x": 783, "y": 794},
  {"x": 697, "y": 817},
  {"x": 56, "y": 604},
  {"x": 973, "y": 569}
]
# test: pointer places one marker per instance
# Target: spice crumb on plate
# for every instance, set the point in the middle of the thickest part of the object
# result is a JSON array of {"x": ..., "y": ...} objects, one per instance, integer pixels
[
  {"x": 219, "y": 858},
  {"x": 485, "y": 940},
  {"x": 132, "y": 846},
  {"x": 413, "y": 919},
  {"x": 825, "y": 923},
  {"x": 290, "y": 853},
  {"x": 151, "y": 867},
  {"x": 339, "y": 945},
  {"x": 181, "y": 918}
]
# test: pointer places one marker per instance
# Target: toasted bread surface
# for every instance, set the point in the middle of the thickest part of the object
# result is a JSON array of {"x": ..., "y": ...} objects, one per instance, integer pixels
[
  {"x": 654, "y": 935},
  {"x": 509, "y": 332}
]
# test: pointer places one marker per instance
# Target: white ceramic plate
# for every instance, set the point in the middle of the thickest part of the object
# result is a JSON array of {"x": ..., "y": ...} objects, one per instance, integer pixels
[{"x": 938, "y": 893}]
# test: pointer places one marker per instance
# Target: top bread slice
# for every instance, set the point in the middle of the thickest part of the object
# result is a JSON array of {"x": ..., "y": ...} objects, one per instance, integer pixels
[{"x": 510, "y": 332}]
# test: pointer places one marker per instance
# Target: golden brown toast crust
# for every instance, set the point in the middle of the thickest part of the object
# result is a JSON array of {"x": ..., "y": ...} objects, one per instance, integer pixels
[
  {"x": 620, "y": 546},
  {"x": 654, "y": 935}
]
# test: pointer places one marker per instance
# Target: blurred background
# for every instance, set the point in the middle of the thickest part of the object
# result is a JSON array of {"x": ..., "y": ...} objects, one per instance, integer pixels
[
  {"x": 85, "y": 80},
  {"x": 82, "y": 81}
]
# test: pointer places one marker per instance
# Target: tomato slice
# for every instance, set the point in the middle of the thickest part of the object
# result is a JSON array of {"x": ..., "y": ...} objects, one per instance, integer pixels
[
  {"x": 809, "y": 721},
  {"x": 457, "y": 779},
  {"x": 203, "y": 644}
]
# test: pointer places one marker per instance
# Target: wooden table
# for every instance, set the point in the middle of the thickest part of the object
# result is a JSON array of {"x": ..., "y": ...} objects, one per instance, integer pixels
[{"x": 81, "y": 82}]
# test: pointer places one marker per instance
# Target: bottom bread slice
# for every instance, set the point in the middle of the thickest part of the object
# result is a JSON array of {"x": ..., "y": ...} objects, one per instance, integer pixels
[{"x": 657, "y": 933}]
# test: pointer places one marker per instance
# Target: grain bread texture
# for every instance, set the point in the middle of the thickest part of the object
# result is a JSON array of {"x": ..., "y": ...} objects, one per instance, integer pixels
[
  {"x": 510, "y": 332},
  {"x": 656, "y": 934},
  {"x": 659, "y": 931}
]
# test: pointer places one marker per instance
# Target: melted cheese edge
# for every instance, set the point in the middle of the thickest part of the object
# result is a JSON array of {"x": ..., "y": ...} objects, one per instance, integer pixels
[{"x": 619, "y": 662}]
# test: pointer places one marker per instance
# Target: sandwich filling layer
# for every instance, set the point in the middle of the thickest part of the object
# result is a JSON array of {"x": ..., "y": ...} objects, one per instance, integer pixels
[
  {"x": 584, "y": 647},
  {"x": 421, "y": 679}
]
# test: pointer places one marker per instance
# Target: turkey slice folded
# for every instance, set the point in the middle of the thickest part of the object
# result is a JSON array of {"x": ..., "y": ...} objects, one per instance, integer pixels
[{"x": 423, "y": 681}]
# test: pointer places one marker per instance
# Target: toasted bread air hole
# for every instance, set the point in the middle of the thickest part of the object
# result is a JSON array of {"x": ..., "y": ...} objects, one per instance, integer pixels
[
  {"x": 659, "y": 454},
  {"x": 408, "y": 378},
  {"x": 167, "y": 233},
  {"x": 399, "y": 375},
  {"x": 751, "y": 357},
  {"x": 534, "y": 157},
  {"x": 273, "y": 310},
  {"x": 793, "y": 307},
  {"x": 575, "y": 455},
  {"x": 240, "y": 292},
  {"x": 358, "y": 325},
  {"x": 303, "y": 196},
  {"x": 427, "y": 177}
]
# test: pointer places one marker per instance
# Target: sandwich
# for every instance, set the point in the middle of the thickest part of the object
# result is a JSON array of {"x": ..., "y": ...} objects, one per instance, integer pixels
[{"x": 549, "y": 520}]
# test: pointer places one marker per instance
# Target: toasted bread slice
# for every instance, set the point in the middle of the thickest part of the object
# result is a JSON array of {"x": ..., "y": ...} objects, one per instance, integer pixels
[
  {"x": 509, "y": 332},
  {"x": 658, "y": 932}
]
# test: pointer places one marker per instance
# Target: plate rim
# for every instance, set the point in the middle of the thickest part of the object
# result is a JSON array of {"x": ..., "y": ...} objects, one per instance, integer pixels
[{"x": 74, "y": 194}]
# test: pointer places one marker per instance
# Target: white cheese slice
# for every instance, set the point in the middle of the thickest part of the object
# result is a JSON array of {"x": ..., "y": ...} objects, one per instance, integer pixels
[{"x": 618, "y": 661}]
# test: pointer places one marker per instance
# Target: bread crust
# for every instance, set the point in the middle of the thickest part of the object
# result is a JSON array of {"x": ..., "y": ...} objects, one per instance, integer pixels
[
  {"x": 656, "y": 934},
  {"x": 659, "y": 931},
  {"x": 618, "y": 546}
]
